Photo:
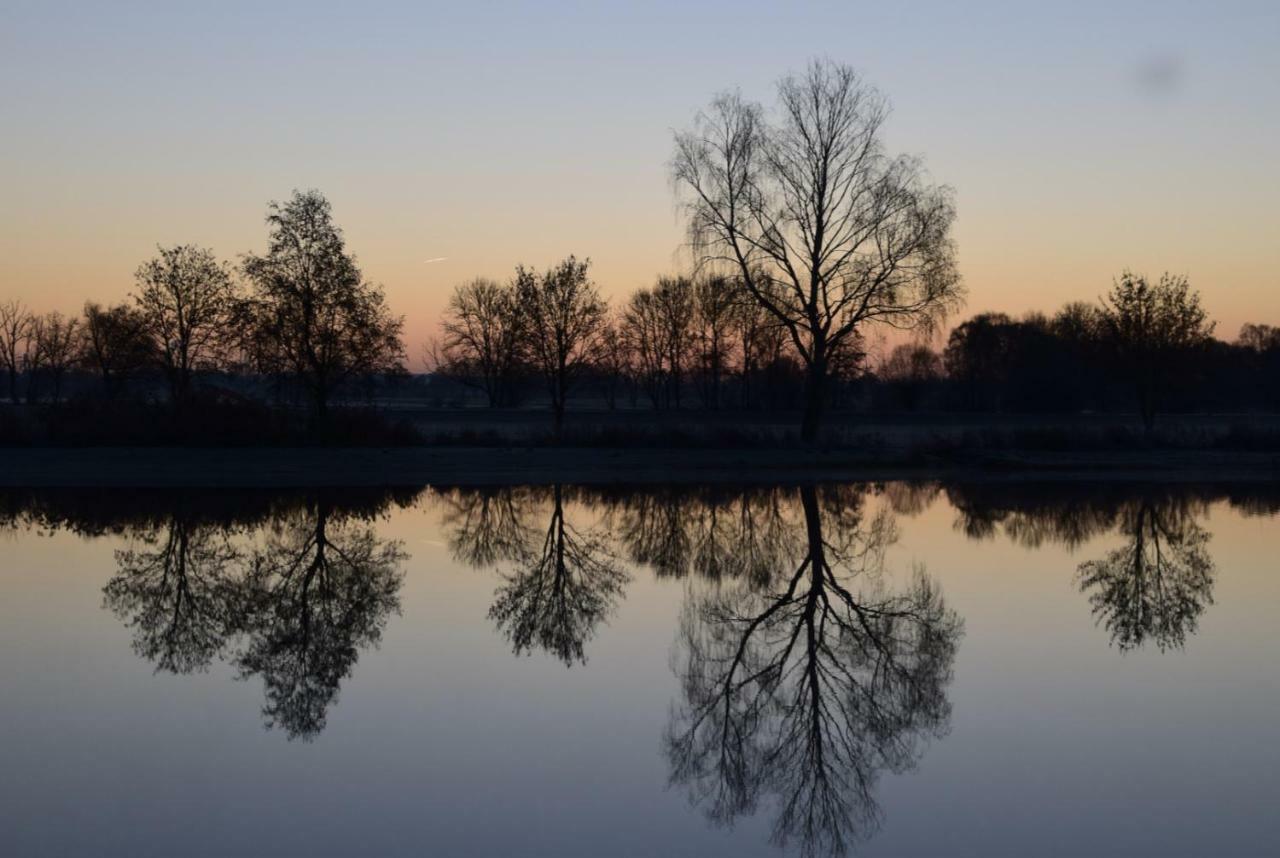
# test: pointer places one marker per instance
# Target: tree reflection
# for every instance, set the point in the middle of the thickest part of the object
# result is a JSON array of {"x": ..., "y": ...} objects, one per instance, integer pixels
[
  {"x": 295, "y": 605},
  {"x": 318, "y": 592},
  {"x": 1157, "y": 584},
  {"x": 712, "y": 534},
  {"x": 802, "y": 691},
  {"x": 177, "y": 592},
  {"x": 563, "y": 581},
  {"x": 560, "y": 591}
]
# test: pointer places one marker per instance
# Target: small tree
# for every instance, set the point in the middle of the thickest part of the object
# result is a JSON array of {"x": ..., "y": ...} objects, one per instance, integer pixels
[
  {"x": 114, "y": 344},
  {"x": 187, "y": 300},
  {"x": 482, "y": 342},
  {"x": 1153, "y": 330},
  {"x": 565, "y": 318},
  {"x": 616, "y": 364},
  {"x": 911, "y": 368},
  {"x": 15, "y": 341},
  {"x": 714, "y": 298},
  {"x": 313, "y": 315},
  {"x": 55, "y": 349}
]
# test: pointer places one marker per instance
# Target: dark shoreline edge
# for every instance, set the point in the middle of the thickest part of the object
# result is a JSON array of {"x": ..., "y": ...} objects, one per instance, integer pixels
[{"x": 171, "y": 467}]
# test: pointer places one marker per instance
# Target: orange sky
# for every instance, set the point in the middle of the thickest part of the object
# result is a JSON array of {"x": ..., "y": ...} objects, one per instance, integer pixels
[{"x": 1080, "y": 142}]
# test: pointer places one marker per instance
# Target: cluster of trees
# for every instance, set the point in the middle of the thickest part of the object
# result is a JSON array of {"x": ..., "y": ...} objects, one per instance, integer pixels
[
  {"x": 686, "y": 341},
  {"x": 302, "y": 312},
  {"x": 1146, "y": 346},
  {"x": 804, "y": 229}
]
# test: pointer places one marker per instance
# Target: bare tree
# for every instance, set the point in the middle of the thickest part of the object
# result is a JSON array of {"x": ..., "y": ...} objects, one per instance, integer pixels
[
  {"x": 826, "y": 230},
  {"x": 114, "y": 345},
  {"x": 314, "y": 315},
  {"x": 565, "y": 318},
  {"x": 15, "y": 340},
  {"x": 187, "y": 299},
  {"x": 659, "y": 325},
  {"x": 643, "y": 336},
  {"x": 483, "y": 338},
  {"x": 1154, "y": 329},
  {"x": 55, "y": 349},
  {"x": 677, "y": 307},
  {"x": 1258, "y": 338},
  {"x": 714, "y": 298},
  {"x": 615, "y": 364},
  {"x": 911, "y": 368}
]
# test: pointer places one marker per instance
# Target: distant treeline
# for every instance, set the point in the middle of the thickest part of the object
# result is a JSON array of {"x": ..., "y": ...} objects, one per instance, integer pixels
[
  {"x": 705, "y": 343},
  {"x": 299, "y": 317},
  {"x": 299, "y": 324}
]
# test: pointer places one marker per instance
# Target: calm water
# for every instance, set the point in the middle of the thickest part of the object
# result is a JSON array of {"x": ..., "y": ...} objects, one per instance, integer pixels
[{"x": 868, "y": 669}]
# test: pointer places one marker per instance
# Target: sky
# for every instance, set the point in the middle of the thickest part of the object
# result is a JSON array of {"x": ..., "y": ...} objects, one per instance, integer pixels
[{"x": 457, "y": 140}]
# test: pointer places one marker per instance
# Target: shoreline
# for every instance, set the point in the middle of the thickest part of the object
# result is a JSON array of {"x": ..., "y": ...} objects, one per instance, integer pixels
[{"x": 314, "y": 467}]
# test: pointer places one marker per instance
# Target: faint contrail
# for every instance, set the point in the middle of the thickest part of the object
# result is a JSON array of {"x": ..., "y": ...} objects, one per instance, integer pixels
[{"x": 434, "y": 259}]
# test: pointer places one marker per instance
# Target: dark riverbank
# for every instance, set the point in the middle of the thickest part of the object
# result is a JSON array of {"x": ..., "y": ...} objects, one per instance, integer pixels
[{"x": 400, "y": 466}]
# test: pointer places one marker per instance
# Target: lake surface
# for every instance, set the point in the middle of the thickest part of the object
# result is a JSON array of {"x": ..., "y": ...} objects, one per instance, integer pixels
[{"x": 888, "y": 669}]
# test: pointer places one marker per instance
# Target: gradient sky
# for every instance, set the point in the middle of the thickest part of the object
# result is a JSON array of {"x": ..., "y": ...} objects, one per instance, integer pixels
[{"x": 1081, "y": 138}]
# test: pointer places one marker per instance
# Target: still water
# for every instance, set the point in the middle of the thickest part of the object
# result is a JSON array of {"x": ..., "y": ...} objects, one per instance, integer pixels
[{"x": 887, "y": 669}]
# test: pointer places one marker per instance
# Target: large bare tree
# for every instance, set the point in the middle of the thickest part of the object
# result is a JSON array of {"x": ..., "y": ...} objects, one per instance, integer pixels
[
  {"x": 825, "y": 228},
  {"x": 313, "y": 314},
  {"x": 187, "y": 299}
]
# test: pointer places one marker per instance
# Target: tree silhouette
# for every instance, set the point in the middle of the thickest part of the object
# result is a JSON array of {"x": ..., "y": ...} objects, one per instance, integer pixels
[
  {"x": 799, "y": 694},
  {"x": 484, "y": 339},
  {"x": 187, "y": 301},
  {"x": 15, "y": 340},
  {"x": 177, "y": 591},
  {"x": 116, "y": 345},
  {"x": 318, "y": 592},
  {"x": 565, "y": 319},
  {"x": 826, "y": 230},
  {"x": 1152, "y": 328},
  {"x": 55, "y": 348},
  {"x": 312, "y": 314},
  {"x": 1156, "y": 585}
]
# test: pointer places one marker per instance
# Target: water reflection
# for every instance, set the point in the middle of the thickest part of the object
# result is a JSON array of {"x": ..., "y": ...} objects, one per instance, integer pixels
[
  {"x": 293, "y": 604},
  {"x": 1156, "y": 585},
  {"x": 564, "y": 579},
  {"x": 806, "y": 668},
  {"x": 318, "y": 592},
  {"x": 801, "y": 688},
  {"x": 176, "y": 589}
]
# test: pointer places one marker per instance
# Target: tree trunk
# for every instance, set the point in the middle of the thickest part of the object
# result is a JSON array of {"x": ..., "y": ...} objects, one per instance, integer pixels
[{"x": 814, "y": 400}]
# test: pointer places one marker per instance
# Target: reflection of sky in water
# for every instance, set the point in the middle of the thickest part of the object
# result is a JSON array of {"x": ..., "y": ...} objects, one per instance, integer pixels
[{"x": 440, "y": 738}]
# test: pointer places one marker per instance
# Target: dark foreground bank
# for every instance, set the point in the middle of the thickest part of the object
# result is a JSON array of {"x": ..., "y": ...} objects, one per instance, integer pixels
[{"x": 392, "y": 466}]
